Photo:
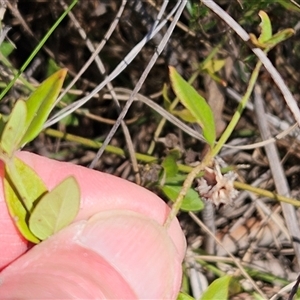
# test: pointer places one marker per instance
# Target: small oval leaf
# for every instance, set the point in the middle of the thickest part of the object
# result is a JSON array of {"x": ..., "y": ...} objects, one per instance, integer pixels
[
  {"x": 17, "y": 212},
  {"x": 14, "y": 129},
  {"x": 25, "y": 182},
  {"x": 196, "y": 104},
  {"x": 56, "y": 209},
  {"x": 191, "y": 201},
  {"x": 218, "y": 289},
  {"x": 22, "y": 187},
  {"x": 40, "y": 104}
]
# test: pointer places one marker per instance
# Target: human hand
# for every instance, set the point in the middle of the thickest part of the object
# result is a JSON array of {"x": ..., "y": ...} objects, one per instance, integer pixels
[{"x": 115, "y": 248}]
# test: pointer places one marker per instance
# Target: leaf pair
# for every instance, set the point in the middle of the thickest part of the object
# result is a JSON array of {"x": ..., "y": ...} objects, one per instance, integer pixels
[
  {"x": 267, "y": 40},
  {"x": 37, "y": 213}
]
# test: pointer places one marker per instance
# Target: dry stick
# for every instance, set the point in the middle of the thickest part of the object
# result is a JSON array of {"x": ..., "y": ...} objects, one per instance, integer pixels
[
  {"x": 291, "y": 102},
  {"x": 143, "y": 76},
  {"x": 15, "y": 12},
  {"x": 277, "y": 172},
  {"x": 208, "y": 217},
  {"x": 110, "y": 87},
  {"x": 235, "y": 260}
]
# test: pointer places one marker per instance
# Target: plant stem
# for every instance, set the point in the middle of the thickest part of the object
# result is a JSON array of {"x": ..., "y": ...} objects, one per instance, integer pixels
[
  {"x": 265, "y": 193},
  {"x": 229, "y": 129},
  {"x": 186, "y": 185}
]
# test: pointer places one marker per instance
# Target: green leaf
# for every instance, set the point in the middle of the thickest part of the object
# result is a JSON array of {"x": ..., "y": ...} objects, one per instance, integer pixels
[
  {"x": 214, "y": 65},
  {"x": 51, "y": 67},
  {"x": 218, "y": 289},
  {"x": 280, "y": 37},
  {"x": 266, "y": 27},
  {"x": 17, "y": 212},
  {"x": 184, "y": 296},
  {"x": 191, "y": 201},
  {"x": 6, "y": 48},
  {"x": 14, "y": 128},
  {"x": 27, "y": 185},
  {"x": 185, "y": 115},
  {"x": 178, "y": 179},
  {"x": 167, "y": 101},
  {"x": 196, "y": 104},
  {"x": 22, "y": 188},
  {"x": 40, "y": 104},
  {"x": 2, "y": 124},
  {"x": 56, "y": 209},
  {"x": 169, "y": 163}
]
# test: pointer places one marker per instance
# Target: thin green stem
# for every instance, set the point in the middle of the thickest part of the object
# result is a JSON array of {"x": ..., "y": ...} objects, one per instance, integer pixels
[
  {"x": 186, "y": 185},
  {"x": 229, "y": 129},
  {"x": 37, "y": 49},
  {"x": 96, "y": 145},
  {"x": 265, "y": 193}
]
